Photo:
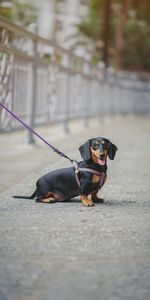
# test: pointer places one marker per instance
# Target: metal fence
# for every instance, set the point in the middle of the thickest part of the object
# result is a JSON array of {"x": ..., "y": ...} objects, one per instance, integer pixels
[{"x": 44, "y": 83}]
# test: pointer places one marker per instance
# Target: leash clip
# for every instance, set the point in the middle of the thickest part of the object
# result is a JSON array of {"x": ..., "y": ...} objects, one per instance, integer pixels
[
  {"x": 75, "y": 164},
  {"x": 77, "y": 171}
]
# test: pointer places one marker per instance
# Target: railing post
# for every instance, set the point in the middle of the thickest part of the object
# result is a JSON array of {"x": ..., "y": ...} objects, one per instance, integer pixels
[
  {"x": 87, "y": 93},
  {"x": 33, "y": 83},
  {"x": 67, "y": 64}
]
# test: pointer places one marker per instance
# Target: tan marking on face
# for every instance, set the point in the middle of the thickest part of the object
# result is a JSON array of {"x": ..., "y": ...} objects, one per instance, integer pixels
[
  {"x": 95, "y": 152},
  {"x": 94, "y": 159},
  {"x": 106, "y": 151}
]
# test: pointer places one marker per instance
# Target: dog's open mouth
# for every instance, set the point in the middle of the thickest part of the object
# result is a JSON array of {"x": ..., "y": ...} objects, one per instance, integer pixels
[{"x": 100, "y": 160}]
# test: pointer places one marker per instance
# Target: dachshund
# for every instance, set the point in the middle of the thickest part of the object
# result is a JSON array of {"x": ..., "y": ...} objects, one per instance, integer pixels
[{"x": 84, "y": 178}]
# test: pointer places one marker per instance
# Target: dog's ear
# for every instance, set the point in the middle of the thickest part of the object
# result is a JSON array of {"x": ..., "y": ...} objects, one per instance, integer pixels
[
  {"x": 112, "y": 150},
  {"x": 85, "y": 150}
]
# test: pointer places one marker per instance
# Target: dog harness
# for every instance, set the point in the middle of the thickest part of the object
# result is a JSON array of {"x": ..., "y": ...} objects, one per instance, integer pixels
[{"x": 102, "y": 176}]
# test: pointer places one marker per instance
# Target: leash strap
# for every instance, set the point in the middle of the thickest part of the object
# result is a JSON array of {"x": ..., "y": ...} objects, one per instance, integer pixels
[
  {"x": 90, "y": 171},
  {"x": 35, "y": 133},
  {"x": 75, "y": 164}
]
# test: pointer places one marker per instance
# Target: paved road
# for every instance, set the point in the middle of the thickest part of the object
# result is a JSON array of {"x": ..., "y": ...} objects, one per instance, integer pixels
[{"x": 65, "y": 251}]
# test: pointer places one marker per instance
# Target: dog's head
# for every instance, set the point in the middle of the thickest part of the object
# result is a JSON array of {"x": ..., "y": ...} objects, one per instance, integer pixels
[{"x": 97, "y": 149}]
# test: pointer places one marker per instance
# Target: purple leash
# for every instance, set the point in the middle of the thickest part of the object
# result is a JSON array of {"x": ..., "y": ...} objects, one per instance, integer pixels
[
  {"x": 34, "y": 132},
  {"x": 74, "y": 162}
]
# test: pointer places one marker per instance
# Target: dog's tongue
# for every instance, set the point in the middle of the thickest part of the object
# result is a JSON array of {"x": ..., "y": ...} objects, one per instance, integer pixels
[{"x": 101, "y": 162}]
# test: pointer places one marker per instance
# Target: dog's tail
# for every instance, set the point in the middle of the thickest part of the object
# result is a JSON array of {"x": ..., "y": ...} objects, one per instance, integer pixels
[{"x": 26, "y": 197}]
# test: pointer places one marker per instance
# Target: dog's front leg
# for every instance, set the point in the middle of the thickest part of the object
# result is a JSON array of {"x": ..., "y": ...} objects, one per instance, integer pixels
[
  {"x": 86, "y": 201},
  {"x": 95, "y": 198},
  {"x": 85, "y": 189}
]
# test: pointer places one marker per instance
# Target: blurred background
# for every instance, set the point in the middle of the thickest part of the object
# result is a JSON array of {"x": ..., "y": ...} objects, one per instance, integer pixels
[
  {"x": 115, "y": 32},
  {"x": 68, "y": 59}
]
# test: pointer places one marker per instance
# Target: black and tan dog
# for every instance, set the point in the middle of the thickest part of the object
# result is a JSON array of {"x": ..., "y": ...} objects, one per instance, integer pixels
[{"x": 86, "y": 178}]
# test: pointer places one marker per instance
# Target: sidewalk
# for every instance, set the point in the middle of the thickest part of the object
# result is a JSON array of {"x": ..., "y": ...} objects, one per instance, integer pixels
[{"x": 65, "y": 251}]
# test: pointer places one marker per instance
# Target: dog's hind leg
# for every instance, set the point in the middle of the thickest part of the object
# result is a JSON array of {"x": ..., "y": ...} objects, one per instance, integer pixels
[{"x": 49, "y": 198}]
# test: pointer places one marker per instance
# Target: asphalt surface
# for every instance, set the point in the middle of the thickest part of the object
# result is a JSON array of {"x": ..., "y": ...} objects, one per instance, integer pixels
[{"x": 65, "y": 251}]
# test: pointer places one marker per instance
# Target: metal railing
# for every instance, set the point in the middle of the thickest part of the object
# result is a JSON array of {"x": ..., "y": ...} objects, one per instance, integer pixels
[{"x": 44, "y": 83}]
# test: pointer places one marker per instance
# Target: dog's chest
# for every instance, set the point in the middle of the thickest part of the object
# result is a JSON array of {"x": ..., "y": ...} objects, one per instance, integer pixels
[
  {"x": 95, "y": 178},
  {"x": 99, "y": 180}
]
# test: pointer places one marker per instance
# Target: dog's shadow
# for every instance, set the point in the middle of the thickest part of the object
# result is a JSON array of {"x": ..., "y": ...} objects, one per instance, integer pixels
[
  {"x": 120, "y": 203},
  {"x": 73, "y": 200},
  {"x": 113, "y": 202}
]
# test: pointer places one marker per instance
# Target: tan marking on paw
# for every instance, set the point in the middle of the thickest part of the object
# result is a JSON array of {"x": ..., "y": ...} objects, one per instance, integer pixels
[{"x": 86, "y": 201}]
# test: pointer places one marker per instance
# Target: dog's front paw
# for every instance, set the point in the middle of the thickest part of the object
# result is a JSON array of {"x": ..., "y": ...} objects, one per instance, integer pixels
[
  {"x": 96, "y": 199},
  {"x": 86, "y": 201}
]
